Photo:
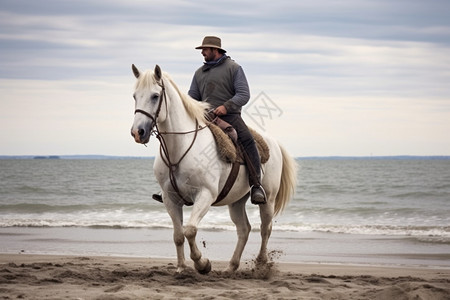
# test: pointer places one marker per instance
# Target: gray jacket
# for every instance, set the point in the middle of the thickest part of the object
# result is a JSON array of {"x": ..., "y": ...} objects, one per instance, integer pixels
[{"x": 221, "y": 82}]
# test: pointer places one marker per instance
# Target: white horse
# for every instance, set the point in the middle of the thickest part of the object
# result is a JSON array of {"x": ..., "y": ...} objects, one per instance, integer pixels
[{"x": 182, "y": 171}]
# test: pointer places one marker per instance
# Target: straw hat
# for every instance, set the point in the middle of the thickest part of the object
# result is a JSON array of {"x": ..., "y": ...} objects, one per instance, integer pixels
[{"x": 211, "y": 42}]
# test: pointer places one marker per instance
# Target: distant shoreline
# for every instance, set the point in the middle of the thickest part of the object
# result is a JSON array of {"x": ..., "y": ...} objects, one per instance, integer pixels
[
  {"x": 100, "y": 157},
  {"x": 97, "y": 157}
]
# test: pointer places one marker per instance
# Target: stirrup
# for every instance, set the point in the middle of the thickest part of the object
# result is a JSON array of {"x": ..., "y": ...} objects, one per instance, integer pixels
[
  {"x": 258, "y": 195},
  {"x": 157, "y": 197}
]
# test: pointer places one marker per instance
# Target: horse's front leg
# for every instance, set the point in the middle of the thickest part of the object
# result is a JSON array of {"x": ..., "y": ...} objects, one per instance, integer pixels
[
  {"x": 175, "y": 212},
  {"x": 200, "y": 208}
]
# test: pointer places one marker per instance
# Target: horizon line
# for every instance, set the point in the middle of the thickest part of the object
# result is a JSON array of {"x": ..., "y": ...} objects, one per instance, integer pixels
[{"x": 101, "y": 156}]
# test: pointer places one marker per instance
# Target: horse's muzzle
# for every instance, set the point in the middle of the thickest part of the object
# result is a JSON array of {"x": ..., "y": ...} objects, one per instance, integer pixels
[{"x": 140, "y": 135}]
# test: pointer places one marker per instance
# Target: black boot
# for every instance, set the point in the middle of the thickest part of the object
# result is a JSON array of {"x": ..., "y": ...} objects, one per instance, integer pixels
[
  {"x": 257, "y": 193},
  {"x": 157, "y": 197}
]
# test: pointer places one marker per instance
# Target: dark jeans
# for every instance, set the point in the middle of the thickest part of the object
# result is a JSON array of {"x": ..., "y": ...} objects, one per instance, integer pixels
[{"x": 246, "y": 140}]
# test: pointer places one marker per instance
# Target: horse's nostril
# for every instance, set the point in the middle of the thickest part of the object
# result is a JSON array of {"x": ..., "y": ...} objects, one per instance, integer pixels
[{"x": 141, "y": 132}]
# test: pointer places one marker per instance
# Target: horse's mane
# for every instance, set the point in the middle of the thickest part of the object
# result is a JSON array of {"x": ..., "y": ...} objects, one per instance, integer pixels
[{"x": 195, "y": 109}]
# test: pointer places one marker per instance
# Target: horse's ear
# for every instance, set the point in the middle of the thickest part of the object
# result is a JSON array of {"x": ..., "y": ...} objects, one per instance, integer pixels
[
  {"x": 135, "y": 71},
  {"x": 158, "y": 73}
]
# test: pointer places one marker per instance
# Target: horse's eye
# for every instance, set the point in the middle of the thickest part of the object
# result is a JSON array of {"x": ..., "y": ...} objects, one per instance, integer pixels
[
  {"x": 134, "y": 96},
  {"x": 155, "y": 97}
]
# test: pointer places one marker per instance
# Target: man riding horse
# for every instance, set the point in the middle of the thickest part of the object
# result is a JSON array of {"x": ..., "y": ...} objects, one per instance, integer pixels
[{"x": 222, "y": 83}]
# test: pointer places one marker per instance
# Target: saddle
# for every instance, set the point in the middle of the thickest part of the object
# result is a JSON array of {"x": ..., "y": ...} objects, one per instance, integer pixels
[{"x": 226, "y": 139}]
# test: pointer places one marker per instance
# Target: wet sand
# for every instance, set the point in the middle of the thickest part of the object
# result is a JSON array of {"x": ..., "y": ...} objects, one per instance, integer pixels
[{"x": 24, "y": 276}]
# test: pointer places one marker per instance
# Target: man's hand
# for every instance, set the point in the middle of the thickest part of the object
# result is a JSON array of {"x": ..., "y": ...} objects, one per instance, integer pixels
[{"x": 220, "y": 111}]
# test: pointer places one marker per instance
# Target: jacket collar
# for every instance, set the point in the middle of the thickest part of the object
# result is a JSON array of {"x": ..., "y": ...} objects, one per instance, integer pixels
[{"x": 211, "y": 64}]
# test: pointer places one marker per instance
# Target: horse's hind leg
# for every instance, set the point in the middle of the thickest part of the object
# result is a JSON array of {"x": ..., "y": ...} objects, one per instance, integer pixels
[
  {"x": 239, "y": 217},
  {"x": 266, "y": 213}
]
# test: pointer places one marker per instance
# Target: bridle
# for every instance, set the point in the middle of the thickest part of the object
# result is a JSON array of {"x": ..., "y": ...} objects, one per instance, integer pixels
[
  {"x": 163, "y": 96},
  {"x": 163, "y": 149}
]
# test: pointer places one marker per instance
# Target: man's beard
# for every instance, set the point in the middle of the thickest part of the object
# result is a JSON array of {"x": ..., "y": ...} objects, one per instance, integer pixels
[{"x": 209, "y": 58}]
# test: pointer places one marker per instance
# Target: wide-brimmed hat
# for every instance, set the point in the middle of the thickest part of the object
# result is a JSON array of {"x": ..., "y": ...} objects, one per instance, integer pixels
[{"x": 211, "y": 42}]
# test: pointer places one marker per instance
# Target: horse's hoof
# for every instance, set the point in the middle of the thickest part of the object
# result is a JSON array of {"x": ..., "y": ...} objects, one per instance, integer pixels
[
  {"x": 261, "y": 260},
  {"x": 229, "y": 271},
  {"x": 206, "y": 269},
  {"x": 232, "y": 267}
]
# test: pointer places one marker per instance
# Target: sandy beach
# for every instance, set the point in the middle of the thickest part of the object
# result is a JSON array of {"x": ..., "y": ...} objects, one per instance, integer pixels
[{"x": 24, "y": 276}]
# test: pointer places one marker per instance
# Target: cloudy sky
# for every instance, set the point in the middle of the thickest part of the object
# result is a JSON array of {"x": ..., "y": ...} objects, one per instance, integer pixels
[{"x": 354, "y": 77}]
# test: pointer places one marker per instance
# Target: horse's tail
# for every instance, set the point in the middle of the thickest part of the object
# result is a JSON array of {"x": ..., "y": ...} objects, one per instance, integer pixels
[{"x": 287, "y": 183}]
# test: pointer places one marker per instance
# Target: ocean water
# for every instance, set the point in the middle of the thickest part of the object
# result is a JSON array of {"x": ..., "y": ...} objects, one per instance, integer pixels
[{"x": 396, "y": 203}]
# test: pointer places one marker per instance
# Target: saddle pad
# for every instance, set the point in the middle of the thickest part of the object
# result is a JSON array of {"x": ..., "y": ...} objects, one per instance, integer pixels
[{"x": 227, "y": 150}]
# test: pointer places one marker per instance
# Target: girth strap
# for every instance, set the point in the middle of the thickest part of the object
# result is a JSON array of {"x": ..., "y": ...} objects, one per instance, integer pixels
[{"x": 229, "y": 183}]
